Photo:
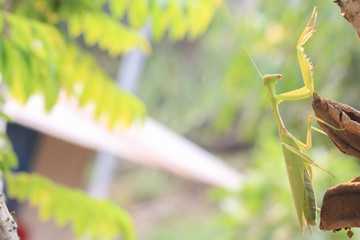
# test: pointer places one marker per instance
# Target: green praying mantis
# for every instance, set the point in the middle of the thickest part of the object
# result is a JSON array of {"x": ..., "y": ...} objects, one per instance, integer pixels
[{"x": 297, "y": 163}]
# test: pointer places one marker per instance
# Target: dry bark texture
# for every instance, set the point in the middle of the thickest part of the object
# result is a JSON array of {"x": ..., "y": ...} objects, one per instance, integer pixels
[
  {"x": 350, "y": 10},
  {"x": 341, "y": 208},
  {"x": 8, "y": 226},
  {"x": 340, "y": 116}
]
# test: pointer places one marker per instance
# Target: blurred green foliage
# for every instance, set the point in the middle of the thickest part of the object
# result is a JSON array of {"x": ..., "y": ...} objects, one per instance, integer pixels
[
  {"x": 40, "y": 54},
  {"x": 92, "y": 217},
  {"x": 209, "y": 89}
]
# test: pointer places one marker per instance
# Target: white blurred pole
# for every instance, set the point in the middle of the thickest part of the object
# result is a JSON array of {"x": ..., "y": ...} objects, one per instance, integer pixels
[
  {"x": 102, "y": 174},
  {"x": 105, "y": 163}
]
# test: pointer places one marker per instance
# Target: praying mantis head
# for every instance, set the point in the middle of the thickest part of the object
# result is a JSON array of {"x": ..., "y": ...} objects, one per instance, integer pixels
[{"x": 271, "y": 79}]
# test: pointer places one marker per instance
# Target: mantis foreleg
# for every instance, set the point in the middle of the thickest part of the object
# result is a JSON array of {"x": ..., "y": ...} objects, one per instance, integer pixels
[{"x": 306, "y": 66}]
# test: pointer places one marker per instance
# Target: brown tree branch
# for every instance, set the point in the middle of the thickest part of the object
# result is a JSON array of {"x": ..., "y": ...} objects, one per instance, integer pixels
[
  {"x": 340, "y": 209},
  {"x": 339, "y": 115},
  {"x": 8, "y": 226},
  {"x": 350, "y": 10}
]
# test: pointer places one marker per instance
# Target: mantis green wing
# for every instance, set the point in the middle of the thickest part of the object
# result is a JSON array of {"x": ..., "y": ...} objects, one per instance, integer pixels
[
  {"x": 300, "y": 183},
  {"x": 309, "y": 208}
]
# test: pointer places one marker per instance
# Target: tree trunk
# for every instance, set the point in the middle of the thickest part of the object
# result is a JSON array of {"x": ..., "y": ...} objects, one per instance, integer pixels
[{"x": 8, "y": 226}]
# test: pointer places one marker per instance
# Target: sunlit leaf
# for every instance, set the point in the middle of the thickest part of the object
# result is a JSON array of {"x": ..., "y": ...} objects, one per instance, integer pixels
[
  {"x": 138, "y": 13},
  {"x": 118, "y": 7},
  {"x": 91, "y": 217},
  {"x": 160, "y": 21},
  {"x": 179, "y": 22}
]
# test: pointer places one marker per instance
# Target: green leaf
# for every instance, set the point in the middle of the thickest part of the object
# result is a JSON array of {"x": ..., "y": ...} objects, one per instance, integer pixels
[
  {"x": 118, "y": 7},
  {"x": 88, "y": 217},
  {"x": 111, "y": 35},
  {"x": 35, "y": 58},
  {"x": 160, "y": 21},
  {"x": 199, "y": 13},
  {"x": 179, "y": 23},
  {"x": 138, "y": 13},
  {"x": 17, "y": 87},
  {"x": 51, "y": 90},
  {"x": 75, "y": 26}
]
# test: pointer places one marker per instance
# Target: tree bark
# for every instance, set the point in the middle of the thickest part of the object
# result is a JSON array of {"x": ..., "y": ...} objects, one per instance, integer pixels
[
  {"x": 339, "y": 115},
  {"x": 340, "y": 209},
  {"x": 8, "y": 226},
  {"x": 350, "y": 10}
]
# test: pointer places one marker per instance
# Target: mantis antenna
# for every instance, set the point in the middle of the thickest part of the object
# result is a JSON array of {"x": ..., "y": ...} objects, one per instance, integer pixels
[{"x": 252, "y": 60}]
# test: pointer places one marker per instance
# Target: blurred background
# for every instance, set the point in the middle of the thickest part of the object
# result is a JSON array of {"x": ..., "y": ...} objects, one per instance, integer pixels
[{"x": 208, "y": 91}]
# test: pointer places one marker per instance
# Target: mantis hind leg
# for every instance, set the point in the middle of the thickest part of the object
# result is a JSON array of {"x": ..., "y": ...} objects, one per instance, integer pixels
[
  {"x": 305, "y": 158},
  {"x": 307, "y": 145}
]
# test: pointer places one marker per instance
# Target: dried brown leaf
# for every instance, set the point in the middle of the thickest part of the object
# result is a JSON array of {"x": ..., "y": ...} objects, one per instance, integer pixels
[
  {"x": 339, "y": 115},
  {"x": 341, "y": 208},
  {"x": 350, "y": 10}
]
